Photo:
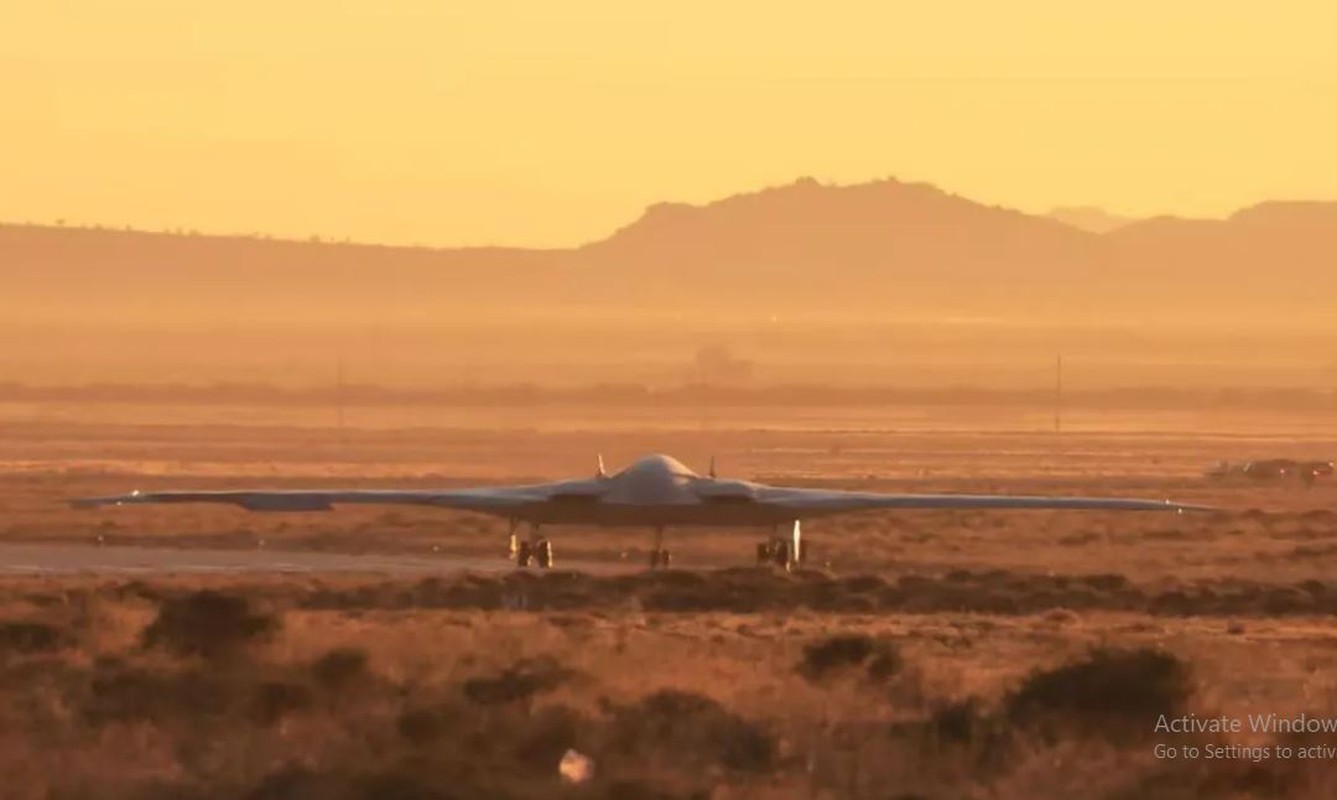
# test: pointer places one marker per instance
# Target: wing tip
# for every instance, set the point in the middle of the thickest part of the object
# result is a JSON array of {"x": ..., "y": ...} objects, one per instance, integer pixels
[{"x": 112, "y": 500}]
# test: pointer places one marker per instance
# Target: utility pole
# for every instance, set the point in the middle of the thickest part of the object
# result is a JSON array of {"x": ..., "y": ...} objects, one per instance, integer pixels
[{"x": 1058, "y": 394}]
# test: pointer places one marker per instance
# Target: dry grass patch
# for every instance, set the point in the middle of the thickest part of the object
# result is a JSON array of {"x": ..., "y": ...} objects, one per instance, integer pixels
[{"x": 447, "y": 703}]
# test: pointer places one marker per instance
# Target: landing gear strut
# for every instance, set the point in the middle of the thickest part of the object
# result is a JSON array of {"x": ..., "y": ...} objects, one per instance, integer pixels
[
  {"x": 785, "y": 552},
  {"x": 543, "y": 553},
  {"x": 659, "y": 557}
]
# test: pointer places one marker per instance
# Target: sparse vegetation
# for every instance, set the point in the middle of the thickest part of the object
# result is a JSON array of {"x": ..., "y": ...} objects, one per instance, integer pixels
[
  {"x": 439, "y": 702},
  {"x": 211, "y": 624},
  {"x": 31, "y": 637},
  {"x": 841, "y": 653},
  {"x": 1110, "y": 692},
  {"x": 517, "y": 683},
  {"x": 341, "y": 668},
  {"x": 691, "y": 731}
]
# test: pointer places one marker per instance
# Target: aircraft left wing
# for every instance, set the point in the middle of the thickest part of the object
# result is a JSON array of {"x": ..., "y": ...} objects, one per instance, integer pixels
[
  {"x": 497, "y": 500},
  {"x": 823, "y": 501}
]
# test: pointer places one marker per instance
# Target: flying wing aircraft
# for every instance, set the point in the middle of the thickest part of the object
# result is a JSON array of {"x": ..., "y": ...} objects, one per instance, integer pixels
[{"x": 655, "y": 492}]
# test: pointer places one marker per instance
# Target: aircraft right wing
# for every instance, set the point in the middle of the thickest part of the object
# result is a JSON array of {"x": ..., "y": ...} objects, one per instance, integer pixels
[{"x": 825, "y": 501}]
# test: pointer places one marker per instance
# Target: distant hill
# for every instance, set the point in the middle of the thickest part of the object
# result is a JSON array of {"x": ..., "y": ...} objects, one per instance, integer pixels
[
  {"x": 1278, "y": 256},
  {"x": 1089, "y": 218},
  {"x": 884, "y": 247},
  {"x": 887, "y": 227}
]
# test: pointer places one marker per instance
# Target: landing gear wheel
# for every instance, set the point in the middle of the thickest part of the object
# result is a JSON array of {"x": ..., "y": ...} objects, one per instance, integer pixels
[
  {"x": 782, "y": 558},
  {"x": 543, "y": 553},
  {"x": 524, "y": 554},
  {"x": 764, "y": 553}
]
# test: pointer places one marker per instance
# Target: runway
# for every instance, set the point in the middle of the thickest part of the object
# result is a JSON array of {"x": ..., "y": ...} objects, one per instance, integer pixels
[{"x": 70, "y": 559}]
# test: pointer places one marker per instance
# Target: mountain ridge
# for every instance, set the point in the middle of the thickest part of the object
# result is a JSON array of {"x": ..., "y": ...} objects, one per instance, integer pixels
[
  {"x": 883, "y": 245},
  {"x": 1056, "y": 215}
]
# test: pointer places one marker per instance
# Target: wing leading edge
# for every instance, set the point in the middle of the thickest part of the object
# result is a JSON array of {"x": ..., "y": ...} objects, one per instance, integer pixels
[
  {"x": 516, "y": 500},
  {"x": 819, "y": 501},
  {"x": 497, "y": 500}
]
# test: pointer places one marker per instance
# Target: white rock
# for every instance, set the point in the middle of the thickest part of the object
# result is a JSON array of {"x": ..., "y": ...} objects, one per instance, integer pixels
[{"x": 575, "y": 767}]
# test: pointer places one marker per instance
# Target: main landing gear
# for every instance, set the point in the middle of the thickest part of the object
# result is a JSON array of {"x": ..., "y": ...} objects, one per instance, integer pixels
[
  {"x": 535, "y": 550},
  {"x": 783, "y": 551}
]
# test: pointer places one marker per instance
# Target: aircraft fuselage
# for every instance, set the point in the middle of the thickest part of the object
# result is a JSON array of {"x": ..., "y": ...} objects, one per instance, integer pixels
[{"x": 612, "y": 514}]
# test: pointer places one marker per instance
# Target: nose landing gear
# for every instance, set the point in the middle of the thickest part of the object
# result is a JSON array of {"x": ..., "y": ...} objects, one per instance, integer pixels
[{"x": 660, "y": 558}]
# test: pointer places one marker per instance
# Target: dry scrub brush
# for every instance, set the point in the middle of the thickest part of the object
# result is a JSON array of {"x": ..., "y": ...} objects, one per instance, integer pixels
[{"x": 223, "y": 694}]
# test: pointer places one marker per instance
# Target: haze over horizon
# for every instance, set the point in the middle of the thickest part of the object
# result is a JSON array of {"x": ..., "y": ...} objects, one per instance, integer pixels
[
  {"x": 1093, "y": 218},
  {"x": 532, "y": 125}
]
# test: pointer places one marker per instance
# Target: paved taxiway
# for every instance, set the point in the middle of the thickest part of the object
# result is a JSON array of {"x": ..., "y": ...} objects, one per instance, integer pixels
[{"x": 66, "y": 559}]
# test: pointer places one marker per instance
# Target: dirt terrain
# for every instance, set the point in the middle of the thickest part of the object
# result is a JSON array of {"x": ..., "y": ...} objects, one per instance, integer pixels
[{"x": 933, "y": 654}]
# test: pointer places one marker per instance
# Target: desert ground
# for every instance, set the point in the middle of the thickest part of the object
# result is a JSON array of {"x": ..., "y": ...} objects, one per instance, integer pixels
[{"x": 927, "y": 654}]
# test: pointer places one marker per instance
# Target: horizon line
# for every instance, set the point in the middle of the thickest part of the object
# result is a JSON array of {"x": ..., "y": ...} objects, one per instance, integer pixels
[{"x": 330, "y": 239}]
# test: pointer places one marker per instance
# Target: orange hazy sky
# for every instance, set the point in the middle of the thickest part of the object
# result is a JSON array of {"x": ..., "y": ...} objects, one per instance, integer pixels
[{"x": 535, "y": 122}]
